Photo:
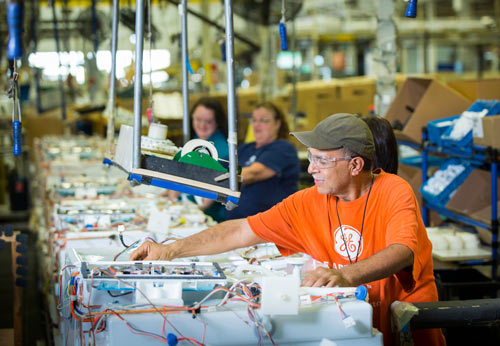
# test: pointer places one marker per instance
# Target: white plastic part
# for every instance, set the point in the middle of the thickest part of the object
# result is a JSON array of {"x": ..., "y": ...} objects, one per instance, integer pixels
[
  {"x": 158, "y": 221},
  {"x": 326, "y": 342},
  {"x": 280, "y": 295},
  {"x": 349, "y": 322},
  {"x": 454, "y": 242},
  {"x": 161, "y": 293},
  {"x": 125, "y": 147},
  {"x": 239, "y": 271},
  {"x": 438, "y": 242},
  {"x": 165, "y": 146},
  {"x": 202, "y": 146},
  {"x": 157, "y": 131},
  {"x": 470, "y": 241}
]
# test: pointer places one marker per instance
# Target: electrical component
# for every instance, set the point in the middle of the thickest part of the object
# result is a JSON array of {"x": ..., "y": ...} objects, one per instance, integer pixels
[{"x": 152, "y": 270}]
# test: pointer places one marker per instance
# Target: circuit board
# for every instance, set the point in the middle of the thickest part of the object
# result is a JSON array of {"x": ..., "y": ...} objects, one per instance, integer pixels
[{"x": 153, "y": 270}]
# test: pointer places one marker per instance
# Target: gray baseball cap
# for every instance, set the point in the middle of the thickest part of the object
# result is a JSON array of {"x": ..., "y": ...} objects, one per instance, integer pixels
[{"x": 340, "y": 131}]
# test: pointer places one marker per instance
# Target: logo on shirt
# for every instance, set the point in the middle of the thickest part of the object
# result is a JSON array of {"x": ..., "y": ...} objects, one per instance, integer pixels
[
  {"x": 250, "y": 160},
  {"x": 348, "y": 246}
]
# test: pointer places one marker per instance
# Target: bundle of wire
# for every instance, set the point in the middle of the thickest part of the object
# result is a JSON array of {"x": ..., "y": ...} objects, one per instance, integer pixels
[{"x": 248, "y": 293}]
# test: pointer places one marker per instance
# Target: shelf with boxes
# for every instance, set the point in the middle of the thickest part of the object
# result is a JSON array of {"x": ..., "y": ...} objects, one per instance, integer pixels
[{"x": 465, "y": 188}]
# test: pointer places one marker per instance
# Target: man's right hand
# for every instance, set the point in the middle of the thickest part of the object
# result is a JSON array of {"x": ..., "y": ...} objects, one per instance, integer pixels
[{"x": 149, "y": 251}]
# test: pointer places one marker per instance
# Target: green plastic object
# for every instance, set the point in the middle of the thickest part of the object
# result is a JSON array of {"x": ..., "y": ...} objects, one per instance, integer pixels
[
  {"x": 198, "y": 158},
  {"x": 177, "y": 155}
]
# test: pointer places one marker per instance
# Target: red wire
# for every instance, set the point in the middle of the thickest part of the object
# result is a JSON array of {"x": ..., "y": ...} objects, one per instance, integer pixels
[
  {"x": 191, "y": 340},
  {"x": 136, "y": 332}
]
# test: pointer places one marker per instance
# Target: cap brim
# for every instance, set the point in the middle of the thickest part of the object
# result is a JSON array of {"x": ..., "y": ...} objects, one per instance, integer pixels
[{"x": 313, "y": 140}]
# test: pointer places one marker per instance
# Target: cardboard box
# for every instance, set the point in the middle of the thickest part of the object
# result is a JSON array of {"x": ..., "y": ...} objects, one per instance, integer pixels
[
  {"x": 419, "y": 101},
  {"x": 359, "y": 89},
  {"x": 128, "y": 104},
  {"x": 413, "y": 175},
  {"x": 491, "y": 132},
  {"x": 319, "y": 99},
  {"x": 473, "y": 197},
  {"x": 310, "y": 93},
  {"x": 477, "y": 89},
  {"x": 44, "y": 124}
]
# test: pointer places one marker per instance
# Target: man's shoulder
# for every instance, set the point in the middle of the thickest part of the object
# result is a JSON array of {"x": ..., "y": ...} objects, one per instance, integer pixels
[
  {"x": 389, "y": 178},
  {"x": 308, "y": 197},
  {"x": 393, "y": 184}
]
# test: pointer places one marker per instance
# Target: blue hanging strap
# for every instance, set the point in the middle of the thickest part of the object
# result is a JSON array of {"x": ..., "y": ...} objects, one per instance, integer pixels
[
  {"x": 190, "y": 69},
  {"x": 284, "y": 45}
]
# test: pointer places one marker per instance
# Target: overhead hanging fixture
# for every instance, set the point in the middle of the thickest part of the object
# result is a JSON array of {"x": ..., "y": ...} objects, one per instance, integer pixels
[{"x": 411, "y": 9}]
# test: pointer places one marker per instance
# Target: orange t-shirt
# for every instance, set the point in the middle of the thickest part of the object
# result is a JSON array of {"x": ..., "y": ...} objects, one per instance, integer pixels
[{"x": 307, "y": 222}]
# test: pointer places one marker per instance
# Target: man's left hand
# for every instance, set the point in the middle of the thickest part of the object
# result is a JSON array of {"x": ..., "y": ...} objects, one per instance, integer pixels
[{"x": 325, "y": 277}]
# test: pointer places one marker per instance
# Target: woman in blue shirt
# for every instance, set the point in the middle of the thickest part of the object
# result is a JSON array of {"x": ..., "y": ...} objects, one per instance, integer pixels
[
  {"x": 208, "y": 122},
  {"x": 270, "y": 164}
]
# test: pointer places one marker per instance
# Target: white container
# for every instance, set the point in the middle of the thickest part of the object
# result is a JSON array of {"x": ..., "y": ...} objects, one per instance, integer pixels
[{"x": 157, "y": 131}]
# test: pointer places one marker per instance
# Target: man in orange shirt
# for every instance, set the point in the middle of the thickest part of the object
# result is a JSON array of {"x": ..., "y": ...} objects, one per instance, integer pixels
[{"x": 366, "y": 225}]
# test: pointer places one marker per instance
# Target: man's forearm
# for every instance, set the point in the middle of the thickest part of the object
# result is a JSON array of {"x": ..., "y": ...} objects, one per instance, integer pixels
[
  {"x": 223, "y": 237},
  {"x": 381, "y": 265}
]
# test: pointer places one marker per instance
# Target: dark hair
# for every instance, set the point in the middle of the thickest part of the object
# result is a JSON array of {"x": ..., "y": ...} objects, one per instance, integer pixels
[
  {"x": 214, "y": 106},
  {"x": 278, "y": 115},
  {"x": 386, "y": 146},
  {"x": 367, "y": 166}
]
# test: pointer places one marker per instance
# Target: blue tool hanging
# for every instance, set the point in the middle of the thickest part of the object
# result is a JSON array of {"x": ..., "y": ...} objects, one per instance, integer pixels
[
  {"x": 14, "y": 52},
  {"x": 411, "y": 9},
  {"x": 284, "y": 45},
  {"x": 222, "y": 43}
]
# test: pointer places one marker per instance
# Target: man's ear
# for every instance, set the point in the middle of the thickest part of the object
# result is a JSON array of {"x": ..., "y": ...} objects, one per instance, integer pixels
[{"x": 357, "y": 163}]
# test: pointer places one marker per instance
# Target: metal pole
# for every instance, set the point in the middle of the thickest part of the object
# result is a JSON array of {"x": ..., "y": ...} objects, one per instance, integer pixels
[
  {"x": 255, "y": 47},
  {"x": 231, "y": 109},
  {"x": 112, "y": 84},
  {"x": 425, "y": 153},
  {"x": 34, "y": 38},
  {"x": 494, "y": 214},
  {"x": 184, "y": 56},
  {"x": 58, "y": 49},
  {"x": 139, "y": 41},
  {"x": 293, "y": 103},
  {"x": 94, "y": 25}
]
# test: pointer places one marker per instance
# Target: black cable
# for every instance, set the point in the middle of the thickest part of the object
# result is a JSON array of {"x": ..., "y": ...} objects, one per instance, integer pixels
[
  {"x": 119, "y": 295},
  {"x": 362, "y": 224},
  {"x": 122, "y": 241}
]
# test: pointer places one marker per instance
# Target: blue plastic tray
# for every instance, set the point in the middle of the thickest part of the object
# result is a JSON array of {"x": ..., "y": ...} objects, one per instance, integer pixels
[
  {"x": 465, "y": 144},
  {"x": 443, "y": 196},
  {"x": 416, "y": 161},
  {"x": 436, "y": 128}
]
